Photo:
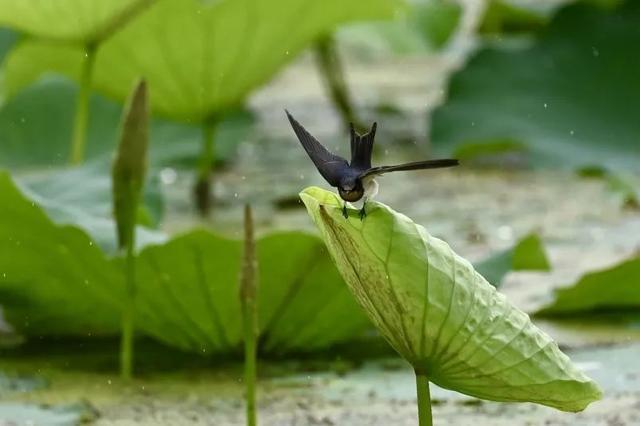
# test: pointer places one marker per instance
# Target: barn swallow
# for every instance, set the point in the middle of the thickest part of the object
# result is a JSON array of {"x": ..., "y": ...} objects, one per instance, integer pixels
[{"x": 355, "y": 180}]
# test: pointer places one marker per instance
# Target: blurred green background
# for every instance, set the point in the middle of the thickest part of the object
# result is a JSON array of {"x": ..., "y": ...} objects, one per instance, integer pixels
[{"x": 539, "y": 101}]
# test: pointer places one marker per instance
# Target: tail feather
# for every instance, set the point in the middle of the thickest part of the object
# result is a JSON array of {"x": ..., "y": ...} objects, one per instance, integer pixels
[{"x": 362, "y": 148}]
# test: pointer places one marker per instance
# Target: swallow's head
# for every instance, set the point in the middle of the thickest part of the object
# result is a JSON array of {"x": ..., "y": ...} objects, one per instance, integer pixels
[{"x": 351, "y": 190}]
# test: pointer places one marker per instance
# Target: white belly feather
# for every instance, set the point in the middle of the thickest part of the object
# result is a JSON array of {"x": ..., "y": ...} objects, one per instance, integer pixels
[{"x": 370, "y": 187}]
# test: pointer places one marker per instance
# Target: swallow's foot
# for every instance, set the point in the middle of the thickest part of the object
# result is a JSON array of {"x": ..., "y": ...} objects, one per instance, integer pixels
[
  {"x": 344, "y": 211},
  {"x": 363, "y": 213}
]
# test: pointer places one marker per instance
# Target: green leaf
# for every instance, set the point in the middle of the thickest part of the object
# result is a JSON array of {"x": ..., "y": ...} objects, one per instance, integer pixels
[
  {"x": 7, "y": 40},
  {"x": 54, "y": 280},
  {"x": 441, "y": 315},
  {"x": 614, "y": 289},
  {"x": 69, "y": 20},
  {"x": 545, "y": 95},
  {"x": 81, "y": 196},
  {"x": 199, "y": 59},
  {"x": 527, "y": 255},
  {"x": 311, "y": 290},
  {"x": 437, "y": 20},
  {"x": 504, "y": 16},
  {"x": 35, "y": 128},
  {"x": 424, "y": 27},
  {"x": 188, "y": 294}
]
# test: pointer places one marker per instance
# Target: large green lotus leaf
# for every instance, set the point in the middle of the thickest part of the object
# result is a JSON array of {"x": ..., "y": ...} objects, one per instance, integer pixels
[
  {"x": 615, "y": 289},
  {"x": 509, "y": 17},
  {"x": 309, "y": 289},
  {"x": 568, "y": 99},
  {"x": 426, "y": 26},
  {"x": 35, "y": 126},
  {"x": 35, "y": 129},
  {"x": 68, "y": 20},
  {"x": 527, "y": 255},
  {"x": 440, "y": 314},
  {"x": 188, "y": 294},
  {"x": 198, "y": 58},
  {"x": 53, "y": 279},
  {"x": 7, "y": 40},
  {"x": 81, "y": 196}
]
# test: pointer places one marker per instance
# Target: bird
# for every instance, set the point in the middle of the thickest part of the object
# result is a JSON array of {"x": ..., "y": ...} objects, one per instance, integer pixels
[{"x": 355, "y": 180}]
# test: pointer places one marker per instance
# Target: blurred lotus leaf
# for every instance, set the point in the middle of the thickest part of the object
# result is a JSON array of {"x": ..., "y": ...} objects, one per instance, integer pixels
[
  {"x": 81, "y": 196},
  {"x": 614, "y": 289},
  {"x": 56, "y": 281},
  {"x": 199, "y": 59},
  {"x": 440, "y": 314},
  {"x": 35, "y": 127},
  {"x": 527, "y": 255},
  {"x": 7, "y": 40},
  {"x": 425, "y": 26},
  {"x": 569, "y": 98},
  {"x": 82, "y": 21},
  {"x": 509, "y": 16}
]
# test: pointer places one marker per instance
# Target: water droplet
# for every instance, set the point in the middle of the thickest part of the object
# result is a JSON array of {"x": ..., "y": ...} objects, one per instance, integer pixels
[
  {"x": 545, "y": 105},
  {"x": 168, "y": 176},
  {"x": 235, "y": 195},
  {"x": 108, "y": 381},
  {"x": 505, "y": 233},
  {"x": 595, "y": 52},
  {"x": 571, "y": 132}
]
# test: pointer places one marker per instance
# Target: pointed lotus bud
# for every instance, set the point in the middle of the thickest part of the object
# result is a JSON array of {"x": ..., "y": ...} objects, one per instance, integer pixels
[{"x": 130, "y": 163}]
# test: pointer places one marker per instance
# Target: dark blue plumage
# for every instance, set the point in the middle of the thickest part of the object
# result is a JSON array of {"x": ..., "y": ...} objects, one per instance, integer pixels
[{"x": 354, "y": 180}]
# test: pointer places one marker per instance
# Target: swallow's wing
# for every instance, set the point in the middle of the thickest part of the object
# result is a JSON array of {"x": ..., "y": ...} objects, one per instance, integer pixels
[
  {"x": 329, "y": 165},
  {"x": 417, "y": 165}
]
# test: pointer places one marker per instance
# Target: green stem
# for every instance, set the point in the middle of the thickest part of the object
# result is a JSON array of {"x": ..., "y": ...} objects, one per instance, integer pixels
[
  {"x": 205, "y": 165},
  {"x": 128, "y": 316},
  {"x": 331, "y": 70},
  {"x": 424, "y": 400},
  {"x": 248, "y": 298},
  {"x": 250, "y": 367},
  {"x": 81, "y": 118}
]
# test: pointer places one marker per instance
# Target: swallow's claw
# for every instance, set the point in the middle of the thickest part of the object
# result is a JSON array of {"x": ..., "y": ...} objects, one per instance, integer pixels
[
  {"x": 344, "y": 211},
  {"x": 363, "y": 213}
]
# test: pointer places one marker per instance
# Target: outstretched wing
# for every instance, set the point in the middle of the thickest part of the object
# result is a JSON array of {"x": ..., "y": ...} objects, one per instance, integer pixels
[
  {"x": 330, "y": 166},
  {"x": 417, "y": 165}
]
